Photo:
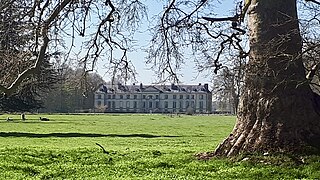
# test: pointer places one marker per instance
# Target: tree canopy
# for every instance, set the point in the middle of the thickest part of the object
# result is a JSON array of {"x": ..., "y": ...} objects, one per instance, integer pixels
[
  {"x": 107, "y": 30},
  {"x": 16, "y": 55}
]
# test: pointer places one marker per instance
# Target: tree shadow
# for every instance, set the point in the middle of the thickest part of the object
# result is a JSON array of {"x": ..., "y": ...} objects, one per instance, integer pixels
[
  {"x": 68, "y": 135},
  {"x": 36, "y": 121}
]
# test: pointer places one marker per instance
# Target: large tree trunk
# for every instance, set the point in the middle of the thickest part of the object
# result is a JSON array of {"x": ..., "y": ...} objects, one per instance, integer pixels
[{"x": 276, "y": 111}]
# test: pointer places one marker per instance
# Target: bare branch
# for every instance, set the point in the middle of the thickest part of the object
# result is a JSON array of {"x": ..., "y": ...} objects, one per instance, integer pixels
[
  {"x": 233, "y": 18},
  {"x": 313, "y": 1}
]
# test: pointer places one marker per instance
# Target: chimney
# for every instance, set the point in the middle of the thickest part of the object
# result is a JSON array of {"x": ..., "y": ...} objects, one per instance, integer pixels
[
  {"x": 206, "y": 87},
  {"x": 141, "y": 86},
  {"x": 199, "y": 84},
  {"x": 119, "y": 85}
]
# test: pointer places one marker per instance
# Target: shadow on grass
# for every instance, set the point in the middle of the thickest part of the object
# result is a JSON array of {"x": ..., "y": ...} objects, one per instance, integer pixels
[
  {"x": 36, "y": 121},
  {"x": 67, "y": 135}
]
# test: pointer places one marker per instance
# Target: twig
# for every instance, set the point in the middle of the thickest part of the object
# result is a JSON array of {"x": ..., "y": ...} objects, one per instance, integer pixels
[{"x": 104, "y": 151}]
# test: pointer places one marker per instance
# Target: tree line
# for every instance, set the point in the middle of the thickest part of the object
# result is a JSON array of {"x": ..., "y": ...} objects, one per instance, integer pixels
[{"x": 74, "y": 92}]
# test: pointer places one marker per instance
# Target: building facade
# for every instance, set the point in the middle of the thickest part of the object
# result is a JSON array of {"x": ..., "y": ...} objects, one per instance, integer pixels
[{"x": 153, "y": 98}]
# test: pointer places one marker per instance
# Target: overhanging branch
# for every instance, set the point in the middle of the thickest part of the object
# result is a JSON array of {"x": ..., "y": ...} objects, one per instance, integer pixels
[{"x": 233, "y": 18}]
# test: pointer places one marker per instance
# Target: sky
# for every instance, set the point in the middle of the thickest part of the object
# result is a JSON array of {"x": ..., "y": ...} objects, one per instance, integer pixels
[{"x": 147, "y": 76}]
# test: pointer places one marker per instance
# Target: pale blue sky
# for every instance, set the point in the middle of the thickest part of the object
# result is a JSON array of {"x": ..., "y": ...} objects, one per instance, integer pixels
[{"x": 145, "y": 75}]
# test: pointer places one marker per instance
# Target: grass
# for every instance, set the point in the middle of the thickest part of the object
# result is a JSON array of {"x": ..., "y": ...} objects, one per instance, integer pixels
[{"x": 138, "y": 147}]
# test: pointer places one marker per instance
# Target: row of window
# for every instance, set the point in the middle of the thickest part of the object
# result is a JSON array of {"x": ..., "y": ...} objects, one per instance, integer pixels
[
  {"x": 166, "y": 96},
  {"x": 146, "y": 110},
  {"x": 150, "y": 104}
]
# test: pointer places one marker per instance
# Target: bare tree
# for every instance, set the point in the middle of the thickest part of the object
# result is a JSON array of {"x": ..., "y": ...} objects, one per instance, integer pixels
[
  {"x": 276, "y": 112},
  {"x": 311, "y": 43},
  {"x": 277, "y": 109},
  {"x": 228, "y": 84},
  {"x": 184, "y": 27},
  {"x": 106, "y": 26}
]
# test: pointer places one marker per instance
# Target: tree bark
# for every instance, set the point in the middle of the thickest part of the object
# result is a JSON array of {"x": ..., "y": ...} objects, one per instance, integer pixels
[{"x": 276, "y": 111}]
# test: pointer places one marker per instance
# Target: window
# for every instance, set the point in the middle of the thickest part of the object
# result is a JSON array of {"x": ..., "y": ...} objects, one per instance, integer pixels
[
  {"x": 192, "y": 103},
  {"x": 143, "y": 104},
  {"x": 180, "y": 104},
  {"x": 120, "y": 104},
  {"x": 99, "y": 96},
  {"x": 188, "y": 96},
  {"x": 128, "y": 96},
  {"x": 201, "y": 96},
  {"x": 135, "y": 104},
  {"x": 134, "y": 96},
  {"x": 150, "y": 97},
  {"x": 99, "y": 103},
  {"x": 201, "y": 104},
  {"x": 192, "y": 96},
  {"x": 174, "y": 96},
  {"x": 113, "y": 104},
  {"x": 128, "y": 105},
  {"x": 157, "y": 96},
  {"x": 181, "y": 96},
  {"x": 150, "y": 104},
  {"x": 144, "y": 97},
  {"x": 166, "y": 96},
  {"x": 121, "y": 96},
  {"x": 166, "y": 104},
  {"x": 113, "y": 96},
  {"x": 187, "y": 104},
  {"x": 157, "y": 104},
  {"x": 174, "y": 104},
  {"x": 109, "y": 104},
  {"x": 109, "y": 96}
]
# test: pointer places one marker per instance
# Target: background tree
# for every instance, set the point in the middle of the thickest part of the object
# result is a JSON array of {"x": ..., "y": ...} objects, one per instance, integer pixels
[
  {"x": 227, "y": 86},
  {"x": 73, "y": 93}
]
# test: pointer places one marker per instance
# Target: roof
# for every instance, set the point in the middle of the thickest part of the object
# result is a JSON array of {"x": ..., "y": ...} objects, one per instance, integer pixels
[{"x": 153, "y": 88}]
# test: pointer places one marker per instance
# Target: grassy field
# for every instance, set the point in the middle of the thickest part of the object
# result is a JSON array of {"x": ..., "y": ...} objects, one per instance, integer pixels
[{"x": 138, "y": 147}]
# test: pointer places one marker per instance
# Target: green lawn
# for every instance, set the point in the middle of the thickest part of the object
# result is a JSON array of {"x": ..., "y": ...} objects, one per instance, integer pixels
[{"x": 138, "y": 146}]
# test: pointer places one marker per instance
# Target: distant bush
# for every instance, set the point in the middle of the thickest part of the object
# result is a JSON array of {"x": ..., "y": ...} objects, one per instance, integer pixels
[{"x": 189, "y": 111}]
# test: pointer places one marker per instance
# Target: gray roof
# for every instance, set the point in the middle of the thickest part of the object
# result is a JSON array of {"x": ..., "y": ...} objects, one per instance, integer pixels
[{"x": 118, "y": 88}]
